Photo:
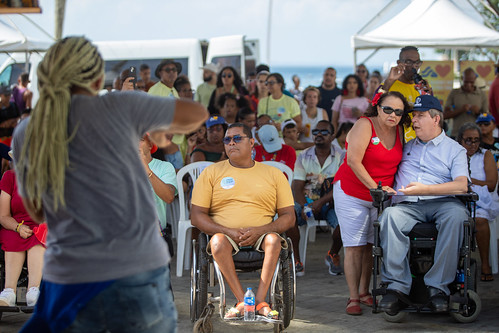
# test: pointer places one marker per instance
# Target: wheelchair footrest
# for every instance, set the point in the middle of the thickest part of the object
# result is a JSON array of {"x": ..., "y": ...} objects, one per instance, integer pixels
[{"x": 258, "y": 320}]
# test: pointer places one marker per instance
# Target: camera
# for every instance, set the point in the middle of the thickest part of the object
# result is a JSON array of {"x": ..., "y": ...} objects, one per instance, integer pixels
[{"x": 133, "y": 73}]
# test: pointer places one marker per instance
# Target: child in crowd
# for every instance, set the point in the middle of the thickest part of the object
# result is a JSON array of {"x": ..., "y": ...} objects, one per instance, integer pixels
[{"x": 290, "y": 136}]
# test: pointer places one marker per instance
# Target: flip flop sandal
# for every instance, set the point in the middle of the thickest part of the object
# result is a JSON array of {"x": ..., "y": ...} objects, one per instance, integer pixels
[
  {"x": 271, "y": 317},
  {"x": 486, "y": 277},
  {"x": 233, "y": 313},
  {"x": 366, "y": 301}
]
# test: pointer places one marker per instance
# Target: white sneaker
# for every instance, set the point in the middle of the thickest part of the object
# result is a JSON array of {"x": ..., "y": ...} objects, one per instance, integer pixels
[
  {"x": 32, "y": 296},
  {"x": 8, "y": 297}
]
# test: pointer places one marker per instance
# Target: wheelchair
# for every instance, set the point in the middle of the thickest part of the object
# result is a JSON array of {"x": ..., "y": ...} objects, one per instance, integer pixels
[
  {"x": 22, "y": 286},
  {"x": 205, "y": 273},
  {"x": 464, "y": 303}
]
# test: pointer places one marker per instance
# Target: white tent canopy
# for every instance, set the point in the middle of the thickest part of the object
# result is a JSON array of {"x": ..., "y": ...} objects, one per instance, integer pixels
[
  {"x": 428, "y": 23},
  {"x": 12, "y": 40}
]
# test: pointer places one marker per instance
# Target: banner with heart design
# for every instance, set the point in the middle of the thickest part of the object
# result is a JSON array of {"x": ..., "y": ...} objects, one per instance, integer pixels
[
  {"x": 440, "y": 75},
  {"x": 484, "y": 70}
]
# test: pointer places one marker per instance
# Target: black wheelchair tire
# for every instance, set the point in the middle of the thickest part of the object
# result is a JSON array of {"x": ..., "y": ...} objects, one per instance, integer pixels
[
  {"x": 287, "y": 285},
  {"x": 475, "y": 305},
  {"x": 202, "y": 279}
]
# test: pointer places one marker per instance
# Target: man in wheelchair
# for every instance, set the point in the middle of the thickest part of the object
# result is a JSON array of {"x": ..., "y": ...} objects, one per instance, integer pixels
[
  {"x": 235, "y": 202},
  {"x": 433, "y": 168}
]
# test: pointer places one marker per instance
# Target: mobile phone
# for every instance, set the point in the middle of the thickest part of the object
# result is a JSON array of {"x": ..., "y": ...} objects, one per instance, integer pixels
[{"x": 133, "y": 73}]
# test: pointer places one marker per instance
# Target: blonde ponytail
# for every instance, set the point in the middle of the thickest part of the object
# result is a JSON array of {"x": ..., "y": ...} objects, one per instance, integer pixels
[{"x": 70, "y": 63}]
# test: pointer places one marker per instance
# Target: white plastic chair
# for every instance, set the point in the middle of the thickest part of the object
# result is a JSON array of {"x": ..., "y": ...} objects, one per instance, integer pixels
[
  {"x": 283, "y": 167},
  {"x": 184, "y": 222},
  {"x": 307, "y": 231}
]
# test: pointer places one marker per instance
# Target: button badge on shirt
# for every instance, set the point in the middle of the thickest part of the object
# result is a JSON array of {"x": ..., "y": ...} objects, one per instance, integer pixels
[{"x": 227, "y": 183}]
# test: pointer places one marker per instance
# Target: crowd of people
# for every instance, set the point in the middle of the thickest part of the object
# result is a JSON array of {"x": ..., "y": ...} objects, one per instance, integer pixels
[{"x": 339, "y": 142}]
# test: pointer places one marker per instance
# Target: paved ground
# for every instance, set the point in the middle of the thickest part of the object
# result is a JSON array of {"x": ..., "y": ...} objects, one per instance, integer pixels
[{"x": 320, "y": 306}]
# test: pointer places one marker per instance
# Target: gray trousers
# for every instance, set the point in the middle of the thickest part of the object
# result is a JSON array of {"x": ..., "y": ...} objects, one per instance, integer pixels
[{"x": 396, "y": 223}]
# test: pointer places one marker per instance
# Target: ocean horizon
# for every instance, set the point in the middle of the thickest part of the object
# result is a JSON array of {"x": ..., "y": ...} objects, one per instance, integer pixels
[{"x": 312, "y": 75}]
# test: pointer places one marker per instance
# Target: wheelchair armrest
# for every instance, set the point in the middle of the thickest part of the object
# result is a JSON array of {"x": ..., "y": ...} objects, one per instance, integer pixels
[
  {"x": 378, "y": 195},
  {"x": 468, "y": 197}
]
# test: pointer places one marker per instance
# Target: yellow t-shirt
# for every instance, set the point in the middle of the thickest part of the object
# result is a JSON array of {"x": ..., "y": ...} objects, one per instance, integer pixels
[
  {"x": 410, "y": 93},
  {"x": 280, "y": 109},
  {"x": 240, "y": 198},
  {"x": 160, "y": 89}
]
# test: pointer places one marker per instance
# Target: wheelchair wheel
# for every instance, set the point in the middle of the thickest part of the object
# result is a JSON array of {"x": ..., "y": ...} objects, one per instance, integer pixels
[
  {"x": 396, "y": 318},
  {"x": 474, "y": 308},
  {"x": 285, "y": 290},
  {"x": 199, "y": 278}
]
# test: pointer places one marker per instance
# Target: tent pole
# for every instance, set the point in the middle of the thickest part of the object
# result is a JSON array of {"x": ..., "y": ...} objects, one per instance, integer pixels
[
  {"x": 60, "y": 6},
  {"x": 354, "y": 58}
]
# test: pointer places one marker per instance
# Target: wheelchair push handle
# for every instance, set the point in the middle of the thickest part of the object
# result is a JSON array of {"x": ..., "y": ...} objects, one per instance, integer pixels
[{"x": 379, "y": 195}]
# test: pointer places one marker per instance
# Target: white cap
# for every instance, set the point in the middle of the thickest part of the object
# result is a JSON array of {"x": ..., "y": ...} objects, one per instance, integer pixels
[{"x": 211, "y": 67}]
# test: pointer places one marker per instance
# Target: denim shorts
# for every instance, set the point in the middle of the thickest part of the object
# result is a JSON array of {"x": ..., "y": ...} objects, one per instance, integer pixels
[{"x": 139, "y": 303}]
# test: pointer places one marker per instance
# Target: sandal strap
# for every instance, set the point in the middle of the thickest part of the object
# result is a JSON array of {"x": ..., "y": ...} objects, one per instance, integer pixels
[
  {"x": 262, "y": 305},
  {"x": 365, "y": 295},
  {"x": 354, "y": 300}
]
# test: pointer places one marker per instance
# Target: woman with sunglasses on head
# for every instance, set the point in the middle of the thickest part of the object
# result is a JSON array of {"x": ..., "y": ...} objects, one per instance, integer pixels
[
  {"x": 373, "y": 153},
  {"x": 278, "y": 105},
  {"x": 228, "y": 81},
  {"x": 351, "y": 104},
  {"x": 483, "y": 174}
]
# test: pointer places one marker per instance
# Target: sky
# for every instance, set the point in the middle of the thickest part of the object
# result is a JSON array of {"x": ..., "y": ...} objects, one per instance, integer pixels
[{"x": 303, "y": 32}]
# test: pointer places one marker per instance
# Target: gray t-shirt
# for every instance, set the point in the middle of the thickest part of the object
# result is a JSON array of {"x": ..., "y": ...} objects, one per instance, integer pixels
[{"x": 109, "y": 227}]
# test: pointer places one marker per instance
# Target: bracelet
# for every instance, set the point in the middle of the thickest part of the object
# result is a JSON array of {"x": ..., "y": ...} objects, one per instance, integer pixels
[
  {"x": 150, "y": 174},
  {"x": 19, "y": 226}
]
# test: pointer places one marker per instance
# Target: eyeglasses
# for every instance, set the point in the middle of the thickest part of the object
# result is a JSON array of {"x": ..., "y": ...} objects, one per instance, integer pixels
[
  {"x": 170, "y": 69},
  {"x": 322, "y": 132},
  {"x": 484, "y": 123},
  {"x": 410, "y": 62},
  {"x": 470, "y": 141},
  {"x": 227, "y": 75},
  {"x": 237, "y": 138},
  {"x": 270, "y": 83},
  {"x": 390, "y": 110}
]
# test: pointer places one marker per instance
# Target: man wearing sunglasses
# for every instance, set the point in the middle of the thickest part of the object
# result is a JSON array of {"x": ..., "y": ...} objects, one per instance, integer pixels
[
  {"x": 167, "y": 71},
  {"x": 466, "y": 103},
  {"x": 235, "y": 202},
  {"x": 314, "y": 168},
  {"x": 433, "y": 168}
]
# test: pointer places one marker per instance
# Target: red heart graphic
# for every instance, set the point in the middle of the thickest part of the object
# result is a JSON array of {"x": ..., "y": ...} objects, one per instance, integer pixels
[
  {"x": 483, "y": 71},
  {"x": 442, "y": 70}
]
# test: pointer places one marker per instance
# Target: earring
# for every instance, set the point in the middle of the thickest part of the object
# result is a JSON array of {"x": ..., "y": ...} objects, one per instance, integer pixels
[
  {"x": 344, "y": 92},
  {"x": 358, "y": 92}
]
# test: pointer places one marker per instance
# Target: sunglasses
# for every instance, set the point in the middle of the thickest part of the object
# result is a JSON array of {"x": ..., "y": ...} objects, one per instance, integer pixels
[
  {"x": 390, "y": 110},
  {"x": 170, "y": 69},
  {"x": 226, "y": 76},
  {"x": 484, "y": 123},
  {"x": 322, "y": 132},
  {"x": 237, "y": 138},
  {"x": 270, "y": 83},
  {"x": 470, "y": 141}
]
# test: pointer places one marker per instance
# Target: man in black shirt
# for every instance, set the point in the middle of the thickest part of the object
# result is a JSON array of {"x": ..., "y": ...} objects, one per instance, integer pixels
[
  {"x": 9, "y": 113},
  {"x": 329, "y": 91}
]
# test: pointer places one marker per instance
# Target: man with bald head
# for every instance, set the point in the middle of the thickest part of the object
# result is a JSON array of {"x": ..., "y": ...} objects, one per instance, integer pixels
[{"x": 466, "y": 103}]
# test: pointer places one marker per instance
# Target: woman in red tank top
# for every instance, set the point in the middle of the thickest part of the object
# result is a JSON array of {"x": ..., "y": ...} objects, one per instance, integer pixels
[{"x": 374, "y": 151}]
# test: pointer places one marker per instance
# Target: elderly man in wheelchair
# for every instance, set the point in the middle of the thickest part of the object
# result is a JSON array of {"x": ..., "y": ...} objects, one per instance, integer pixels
[
  {"x": 235, "y": 201},
  {"x": 433, "y": 169}
]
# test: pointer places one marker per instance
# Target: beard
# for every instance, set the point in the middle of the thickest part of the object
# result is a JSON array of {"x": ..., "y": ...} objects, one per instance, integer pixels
[{"x": 207, "y": 78}]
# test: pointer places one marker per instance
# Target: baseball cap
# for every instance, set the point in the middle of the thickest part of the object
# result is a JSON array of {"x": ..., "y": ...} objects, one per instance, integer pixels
[
  {"x": 215, "y": 120},
  {"x": 425, "y": 103},
  {"x": 269, "y": 137},
  {"x": 485, "y": 117},
  {"x": 287, "y": 122},
  {"x": 211, "y": 67}
]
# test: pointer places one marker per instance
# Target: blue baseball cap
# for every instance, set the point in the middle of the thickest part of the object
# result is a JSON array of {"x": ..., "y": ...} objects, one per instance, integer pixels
[
  {"x": 426, "y": 102},
  {"x": 485, "y": 118},
  {"x": 215, "y": 120}
]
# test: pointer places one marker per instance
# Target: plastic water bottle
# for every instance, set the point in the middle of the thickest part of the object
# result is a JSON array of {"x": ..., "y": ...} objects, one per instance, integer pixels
[
  {"x": 307, "y": 211},
  {"x": 249, "y": 305}
]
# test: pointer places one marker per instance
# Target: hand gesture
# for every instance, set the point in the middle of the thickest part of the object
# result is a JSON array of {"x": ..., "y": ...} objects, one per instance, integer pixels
[
  {"x": 389, "y": 190},
  {"x": 396, "y": 72},
  {"x": 191, "y": 141},
  {"x": 248, "y": 236}
]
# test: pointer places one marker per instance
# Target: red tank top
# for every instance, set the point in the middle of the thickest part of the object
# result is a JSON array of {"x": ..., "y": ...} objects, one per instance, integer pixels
[{"x": 380, "y": 163}]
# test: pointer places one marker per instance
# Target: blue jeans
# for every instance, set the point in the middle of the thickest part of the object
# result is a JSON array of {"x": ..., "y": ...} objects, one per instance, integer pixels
[
  {"x": 327, "y": 213},
  {"x": 139, "y": 303}
]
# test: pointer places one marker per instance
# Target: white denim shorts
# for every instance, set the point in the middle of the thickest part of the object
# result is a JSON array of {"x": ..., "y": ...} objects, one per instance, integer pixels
[{"x": 355, "y": 217}]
